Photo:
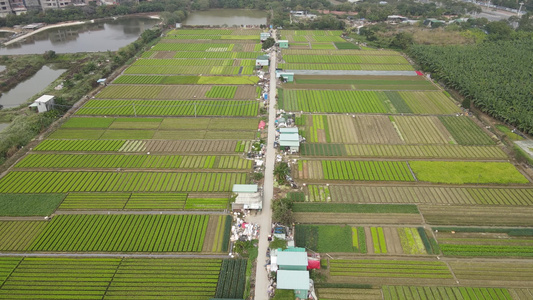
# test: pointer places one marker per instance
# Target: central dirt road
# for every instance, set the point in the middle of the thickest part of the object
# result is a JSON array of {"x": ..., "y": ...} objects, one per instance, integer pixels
[{"x": 265, "y": 219}]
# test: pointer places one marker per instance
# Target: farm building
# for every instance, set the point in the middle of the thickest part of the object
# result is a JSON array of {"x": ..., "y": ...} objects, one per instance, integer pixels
[
  {"x": 43, "y": 103},
  {"x": 265, "y": 35},
  {"x": 262, "y": 60},
  {"x": 294, "y": 280},
  {"x": 283, "y": 43},
  {"x": 292, "y": 258},
  {"x": 289, "y": 77},
  {"x": 248, "y": 197},
  {"x": 289, "y": 137}
]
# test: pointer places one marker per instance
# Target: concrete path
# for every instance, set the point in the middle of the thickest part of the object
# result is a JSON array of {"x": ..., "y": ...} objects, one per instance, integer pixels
[{"x": 265, "y": 220}]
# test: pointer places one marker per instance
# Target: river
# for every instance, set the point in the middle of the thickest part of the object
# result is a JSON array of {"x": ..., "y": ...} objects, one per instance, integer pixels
[
  {"x": 228, "y": 17},
  {"x": 93, "y": 37}
]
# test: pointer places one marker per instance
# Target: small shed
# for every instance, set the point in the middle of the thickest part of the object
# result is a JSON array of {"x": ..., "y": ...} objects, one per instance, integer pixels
[
  {"x": 262, "y": 60},
  {"x": 292, "y": 260},
  {"x": 283, "y": 44},
  {"x": 248, "y": 196},
  {"x": 289, "y": 77},
  {"x": 264, "y": 35},
  {"x": 294, "y": 280},
  {"x": 43, "y": 103}
]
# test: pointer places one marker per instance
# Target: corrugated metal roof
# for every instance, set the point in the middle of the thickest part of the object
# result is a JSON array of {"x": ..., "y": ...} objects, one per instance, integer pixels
[
  {"x": 44, "y": 98},
  {"x": 293, "y": 280},
  {"x": 289, "y": 137},
  {"x": 245, "y": 188},
  {"x": 289, "y": 144},
  {"x": 289, "y": 258},
  {"x": 289, "y": 130},
  {"x": 263, "y": 57}
]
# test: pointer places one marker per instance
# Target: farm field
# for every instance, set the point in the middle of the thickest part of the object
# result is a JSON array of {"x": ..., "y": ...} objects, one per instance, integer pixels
[
  {"x": 106, "y": 161},
  {"x": 484, "y": 196},
  {"x": 153, "y": 146},
  {"x": 60, "y": 182},
  {"x": 111, "y": 278},
  {"x": 148, "y": 79},
  {"x": 178, "y": 92},
  {"x": 146, "y": 134},
  {"x": 335, "y": 101},
  {"x": 144, "y": 201},
  {"x": 391, "y": 130},
  {"x": 429, "y": 199},
  {"x": 347, "y": 82},
  {"x": 160, "y": 123},
  {"x": 21, "y": 205},
  {"x": 145, "y": 108}
]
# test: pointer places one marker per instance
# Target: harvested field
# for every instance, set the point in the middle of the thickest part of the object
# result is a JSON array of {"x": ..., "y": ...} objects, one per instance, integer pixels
[
  {"x": 182, "y": 92},
  {"x": 509, "y": 274},
  {"x": 404, "y": 151},
  {"x": 423, "y": 195},
  {"x": 349, "y": 294},
  {"x": 421, "y": 130},
  {"x": 477, "y": 215},
  {"x": 357, "y": 219}
]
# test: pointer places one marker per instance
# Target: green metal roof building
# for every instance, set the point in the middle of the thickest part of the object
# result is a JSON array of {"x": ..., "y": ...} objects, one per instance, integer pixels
[
  {"x": 294, "y": 280},
  {"x": 283, "y": 43}
]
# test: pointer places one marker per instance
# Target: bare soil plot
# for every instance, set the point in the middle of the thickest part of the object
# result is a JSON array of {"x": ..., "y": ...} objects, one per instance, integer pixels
[
  {"x": 493, "y": 272},
  {"x": 185, "y": 146},
  {"x": 164, "y": 54},
  {"x": 357, "y": 218},
  {"x": 375, "y": 130},
  {"x": 477, "y": 215}
]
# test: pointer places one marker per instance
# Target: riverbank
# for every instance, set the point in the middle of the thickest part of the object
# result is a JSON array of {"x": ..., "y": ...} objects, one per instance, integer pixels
[{"x": 62, "y": 24}]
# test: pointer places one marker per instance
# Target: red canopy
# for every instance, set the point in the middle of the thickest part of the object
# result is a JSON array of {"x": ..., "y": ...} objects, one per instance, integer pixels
[
  {"x": 419, "y": 73},
  {"x": 313, "y": 264},
  {"x": 262, "y": 125}
]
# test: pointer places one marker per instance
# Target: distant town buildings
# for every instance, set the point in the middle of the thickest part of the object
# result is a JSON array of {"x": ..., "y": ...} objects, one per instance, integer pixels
[{"x": 8, "y": 7}]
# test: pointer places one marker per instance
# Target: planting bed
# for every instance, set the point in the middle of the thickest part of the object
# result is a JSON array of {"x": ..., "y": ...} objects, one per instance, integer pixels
[
  {"x": 179, "y": 92},
  {"x": 169, "y": 108},
  {"x": 110, "y": 278},
  {"x": 423, "y": 195},
  {"x": 107, "y": 161},
  {"x": 451, "y": 293},
  {"x": 60, "y": 182},
  {"x": 353, "y": 170},
  {"x": 334, "y": 101}
]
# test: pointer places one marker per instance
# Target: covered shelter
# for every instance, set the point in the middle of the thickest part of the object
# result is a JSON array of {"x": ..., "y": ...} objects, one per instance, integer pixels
[
  {"x": 288, "y": 76},
  {"x": 248, "y": 197},
  {"x": 283, "y": 44},
  {"x": 43, "y": 103},
  {"x": 262, "y": 60},
  {"x": 294, "y": 280},
  {"x": 289, "y": 137},
  {"x": 264, "y": 35}
]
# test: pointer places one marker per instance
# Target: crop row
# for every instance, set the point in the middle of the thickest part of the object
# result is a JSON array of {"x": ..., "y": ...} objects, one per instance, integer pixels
[
  {"x": 159, "y": 79},
  {"x": 389, "y": 268},
  {"x": 341, "y": 52},
  {"x": 346, "y": 67},
  {"x": 146, "y": 201},
  {"x": 79, "y": 145},
  {"x": 232, "y": 279},
  {"x": 169, "y": 108},
  {"x": 465, "y": 131},
  {"x": 177, "y": 92},
  {"x": 423, "y": 195},
  {"x": 183, "y": 62},
  {"x": 354, "y": 170},
  {"x": 110, "y": 278},
  {"x": 486, "y": 250},
  {"x": 451, "y": 293},
  {"x": 212, "y": 37},
  {"x": 190, "y": 70},
  {"x": 222, "y": 55},
  {"x": 325, "y": 238},
  {"x": 83, "y": 161},
  {"x": 208, "y": 47},
  {"x": 123, "y": 233},
  {"x": 378, "y": 240},
  {"x": 61, "y": 182},
  {"x": 312, "y": 32},
  {"x": 221, "y": 92},
  {"x": 210, "y": 124},
  {"x": 404, "y": 151},
  {"x": 411, "y": 240},
  {"x": 345, "y": 59},
  {"x": 16, "y": 236}
]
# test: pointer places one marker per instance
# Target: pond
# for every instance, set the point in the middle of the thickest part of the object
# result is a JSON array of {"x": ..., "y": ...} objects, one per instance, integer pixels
[
  {"x": 92, "y": 37},
  {"x": 228, "y": 17},
  {"x": 27, "y": 89}
]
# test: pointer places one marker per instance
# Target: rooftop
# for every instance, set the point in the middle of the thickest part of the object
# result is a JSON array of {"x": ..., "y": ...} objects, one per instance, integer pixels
[{"x": 293, "y": 280}]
